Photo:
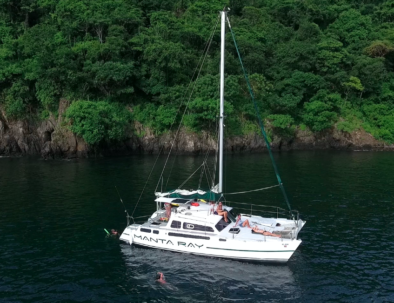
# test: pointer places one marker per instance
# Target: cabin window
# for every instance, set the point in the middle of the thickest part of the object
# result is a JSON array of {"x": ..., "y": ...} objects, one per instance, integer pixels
[
  {"x": 156, "y": 232},
  {"x": 221, "y": 225},
  {"x": 145, "y": 230},
  {"x": 234, "y": 230},
  {"x": 192, "y": 226},
  {"x": 176, "y": 224}
]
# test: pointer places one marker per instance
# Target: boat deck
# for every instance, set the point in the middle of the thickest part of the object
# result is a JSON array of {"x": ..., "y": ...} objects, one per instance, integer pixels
[{"x": 285, "y": 228}]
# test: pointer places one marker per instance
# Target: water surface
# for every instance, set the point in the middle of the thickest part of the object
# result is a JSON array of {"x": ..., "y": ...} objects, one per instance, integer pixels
[{"x": 54, "y": 248}]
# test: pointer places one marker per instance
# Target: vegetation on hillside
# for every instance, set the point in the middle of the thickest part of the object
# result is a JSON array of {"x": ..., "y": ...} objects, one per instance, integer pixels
[{"x": 312, "y": 63}]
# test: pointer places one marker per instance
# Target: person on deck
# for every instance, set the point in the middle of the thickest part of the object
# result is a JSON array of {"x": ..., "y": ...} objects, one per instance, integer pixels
[
  {"x": 219, "y": 211},
  {"x": 168, "y": 210},
  {"x": 242, "y": 223},
  {"x": 265, "y": 233}
]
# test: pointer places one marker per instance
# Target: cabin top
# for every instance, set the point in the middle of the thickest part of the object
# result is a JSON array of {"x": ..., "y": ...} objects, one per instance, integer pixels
[{"x": 196, "y": 210}]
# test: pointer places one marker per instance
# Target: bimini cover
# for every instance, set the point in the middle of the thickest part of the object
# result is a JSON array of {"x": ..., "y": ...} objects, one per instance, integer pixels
[{"x": 190, "y": 194}]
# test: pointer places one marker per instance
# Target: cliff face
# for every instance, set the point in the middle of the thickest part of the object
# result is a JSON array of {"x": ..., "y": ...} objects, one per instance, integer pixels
[{"x": 51, "y": 138}]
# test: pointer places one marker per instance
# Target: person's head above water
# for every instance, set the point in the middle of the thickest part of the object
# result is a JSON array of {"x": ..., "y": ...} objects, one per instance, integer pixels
[{"x": 160, "y": 277}]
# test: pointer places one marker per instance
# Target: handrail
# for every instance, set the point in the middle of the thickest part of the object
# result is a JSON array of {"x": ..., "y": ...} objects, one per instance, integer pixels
[
  {"x": 133, "y": 218},
  {"x": 266, "y": 209},
  {"x": 254, "y": 204}
]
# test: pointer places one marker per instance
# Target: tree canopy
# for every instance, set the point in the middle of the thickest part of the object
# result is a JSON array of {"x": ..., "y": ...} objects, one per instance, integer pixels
[{"x": 313, "y": 63}]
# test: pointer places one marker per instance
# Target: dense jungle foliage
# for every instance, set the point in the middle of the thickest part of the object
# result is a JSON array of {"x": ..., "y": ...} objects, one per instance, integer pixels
[{"x": 313, "y": 64}]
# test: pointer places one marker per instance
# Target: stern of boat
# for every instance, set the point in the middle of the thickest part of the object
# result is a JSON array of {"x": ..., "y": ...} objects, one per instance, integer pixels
[{"x": 128, "y": 233}]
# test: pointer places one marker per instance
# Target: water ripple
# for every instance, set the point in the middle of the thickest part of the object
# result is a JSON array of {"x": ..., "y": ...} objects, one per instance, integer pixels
[{"x": 54, "y": 249}]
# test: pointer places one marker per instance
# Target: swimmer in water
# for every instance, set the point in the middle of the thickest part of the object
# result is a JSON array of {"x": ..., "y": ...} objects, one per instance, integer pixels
[
  {"x": 114, "y": 232},
  {"x": 160, "y": 277}
]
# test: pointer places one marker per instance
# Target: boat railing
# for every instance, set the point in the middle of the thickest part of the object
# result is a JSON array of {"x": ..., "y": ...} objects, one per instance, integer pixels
[
  {"x": 264, "y": 210},
  {"x": 136, "y": 219}
]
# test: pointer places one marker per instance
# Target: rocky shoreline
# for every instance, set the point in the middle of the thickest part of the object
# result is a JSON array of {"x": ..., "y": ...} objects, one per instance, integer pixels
[{"x": 53, "y": 139}]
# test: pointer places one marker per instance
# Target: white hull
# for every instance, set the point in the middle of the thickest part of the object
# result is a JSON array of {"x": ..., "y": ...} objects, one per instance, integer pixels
[{"x": 266, "y": 249}]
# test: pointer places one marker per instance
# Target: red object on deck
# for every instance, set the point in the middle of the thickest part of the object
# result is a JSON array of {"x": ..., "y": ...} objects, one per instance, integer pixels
[{"x": 195, "y": 204}]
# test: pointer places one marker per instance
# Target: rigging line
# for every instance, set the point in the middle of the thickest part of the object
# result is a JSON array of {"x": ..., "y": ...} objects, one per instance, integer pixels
[
  {"x": 260, "y": 120},
  {"x": 206, "y": 167},
  {"x": 190, "y": 176},
  {"x": 249, "y": 191},
  {"x": 207, "y": 45},
  {"x": 208, "y": 170},
  {"x": 205, "y": 51},
  {"x": 206, "y": 174},
  {"x": 125, "y": 209},
  {"x": 209, "y": 176},
  {"x": 201, "y": 175},
  {"x": 188, "y": 101},
  {"x": 203, "y": 57},
  {"x": 146, "y": 182},
  {"x": 120, "y": 198}
]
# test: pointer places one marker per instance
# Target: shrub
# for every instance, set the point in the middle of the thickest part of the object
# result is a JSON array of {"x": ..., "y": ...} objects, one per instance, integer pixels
[
  {"x": 98, "y": 122},
  {"x": 15, "y": 108},
  {"x": 380, "y": 121},
  {"x": 351, "y": 119},
  {"x": 201, "y": 113},
  {"x": 281, "y": 121},
  {"x": 318, "y": 115},
  {"x": 283, "y": 125},
  {"x": 158, "y": 118},
  {"x": 17, "y": 99}
]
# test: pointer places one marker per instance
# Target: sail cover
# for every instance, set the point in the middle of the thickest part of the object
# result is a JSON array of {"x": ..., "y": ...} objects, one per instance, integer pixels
[{"x": 190, "y": 194}]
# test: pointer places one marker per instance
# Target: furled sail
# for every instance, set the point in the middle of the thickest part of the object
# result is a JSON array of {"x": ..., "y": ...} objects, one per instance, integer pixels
[{"x": 190, "y": 194}]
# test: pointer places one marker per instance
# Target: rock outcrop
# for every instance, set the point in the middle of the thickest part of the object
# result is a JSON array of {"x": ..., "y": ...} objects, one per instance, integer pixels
[{"x": 52, "y": 138}]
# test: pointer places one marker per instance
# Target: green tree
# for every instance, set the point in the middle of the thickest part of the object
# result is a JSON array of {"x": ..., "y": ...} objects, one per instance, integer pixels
[
  {"x": 98, "y": 122},
  {"x": 319, "y": 115},
  {"x": 353, "y": 85},
  {"x": 303, "y": 59}
]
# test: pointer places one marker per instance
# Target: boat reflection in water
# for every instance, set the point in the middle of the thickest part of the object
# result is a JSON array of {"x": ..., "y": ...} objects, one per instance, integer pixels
[{"x": 198, "y": 278}]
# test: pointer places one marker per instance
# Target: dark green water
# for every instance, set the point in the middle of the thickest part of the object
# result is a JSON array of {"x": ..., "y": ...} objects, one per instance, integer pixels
[{"x": 54, "y": 249}]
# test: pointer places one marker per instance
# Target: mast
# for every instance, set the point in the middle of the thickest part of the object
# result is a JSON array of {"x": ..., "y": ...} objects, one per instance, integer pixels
[{"x": 221, "y": 114}]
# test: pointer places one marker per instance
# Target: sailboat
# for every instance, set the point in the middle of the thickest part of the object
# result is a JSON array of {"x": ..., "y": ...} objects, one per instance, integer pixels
[{"x": 202, "y": 223}]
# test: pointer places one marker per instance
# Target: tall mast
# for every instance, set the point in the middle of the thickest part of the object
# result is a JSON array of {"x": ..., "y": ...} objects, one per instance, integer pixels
[{"x": 221, "y": 116}]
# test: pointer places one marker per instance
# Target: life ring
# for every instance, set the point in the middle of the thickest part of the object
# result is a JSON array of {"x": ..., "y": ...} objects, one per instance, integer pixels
[{"x": 195, "y": 204}]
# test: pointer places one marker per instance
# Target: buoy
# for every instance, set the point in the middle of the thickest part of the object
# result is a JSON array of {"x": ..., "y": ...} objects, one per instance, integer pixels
[{"x": 195, "y": 204}]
